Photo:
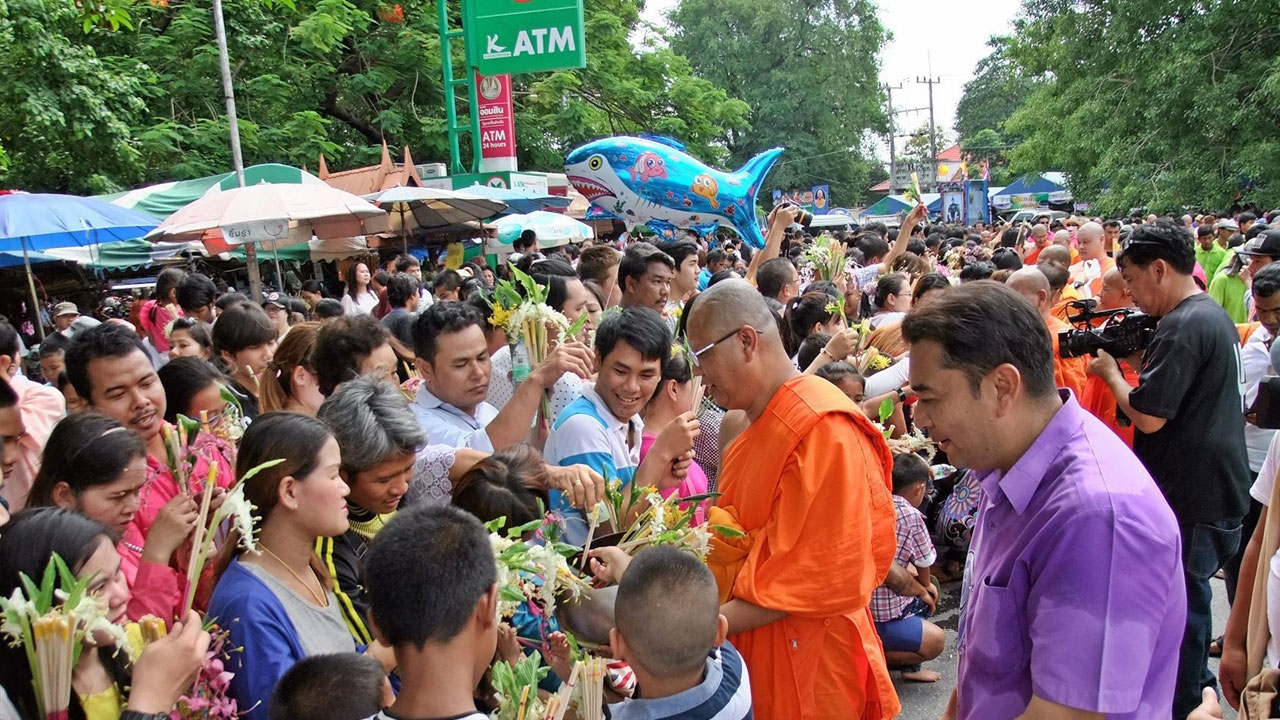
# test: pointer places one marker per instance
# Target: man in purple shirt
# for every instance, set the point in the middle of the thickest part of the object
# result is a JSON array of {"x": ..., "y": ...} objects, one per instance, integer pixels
[{"x": 1074, "y": 594}]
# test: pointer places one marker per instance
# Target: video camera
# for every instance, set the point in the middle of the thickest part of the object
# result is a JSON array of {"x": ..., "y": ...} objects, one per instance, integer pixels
[{"x": 1124, "y": 332}]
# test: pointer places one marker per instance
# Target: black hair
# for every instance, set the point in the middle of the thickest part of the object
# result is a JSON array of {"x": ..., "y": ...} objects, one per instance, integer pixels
[
  {"x": 1160, "y": 241},
  {"x": 525, "y": 241},
  {"x": 240, "y": 327},
  {"x": 425, "y": 572},
  {"x": 30, "y": 539},
  {"x": 554, "y": 274},
  {"x": 595, "y": 262},
  {"x": 198, "y": 331},
  {"x": 314, "y": 286},
  {"x": 834, "y": 372},
  {"x": 9, "y": 343},
  {"x": 1057, "y": 275},
  {"x": 889, "y": 285},
  {"x": 350, "y": 278},
  {"x": 642, "y": 329},
  {"x": 773, "y": 275},
  {"x": 341, "y": 345},
  {"x": 108, "y": 340},
  {"x": 328, "y": 308},
  {"x": 801, "y": 314},
  {"x": 679, "y": 250},
  {"x": 400, "y": 288},
  {"x": 721, "y": 276},
  {"x": 716, "y": 255},
  {"x": 909, "y": 470},
  {"x": 872, "y": 246},
  {"x": 447, "y": 280},
  {"x": 811, "y": 348},
  {"x": 676, "y": 367},
  {"x": 184, "y": 378},
  {"x": 167, "y": 282},
  {"x": 8, "y": 398},
  {"x": 1009, "y": 238},
  {"x": 446, "y": 316},
  {"x": 636, "y": 261},
  {"x": 876, "y": 227},
  {"x": 1005, "y": 258},
  {"x": 504, "y": 485},
  {"x": 406, "y": 261},
  {"x": 306, "y": 691},
  {"x": 1111, "y": 223},
  {"x": 917, "y": 245},
  {"x": 980, "y": 270},
  {"x": 1245, "y": 217},
  {"x": 195, "y": 292},
  {"x": 84, "y": 450},
  {"x": 53, "y": 345},
  {"x": 1204, "y": 231},
  {"x": 667, "y": 610},
  {"x": 231, "y": 299},
  {"x": 930, "y": 281},
  {"x": 982, "y": 325},
  {"x": 1267, "y": 282}
]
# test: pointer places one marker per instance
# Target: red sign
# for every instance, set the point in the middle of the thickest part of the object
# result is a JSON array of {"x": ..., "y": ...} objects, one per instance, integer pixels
[{"x": 497, "y": 123}]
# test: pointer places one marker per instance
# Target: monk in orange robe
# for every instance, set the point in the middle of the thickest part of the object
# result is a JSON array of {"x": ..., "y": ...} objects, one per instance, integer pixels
[
  {"x": 1032, "y": 284},
  {"x": 808, "y": 482}
]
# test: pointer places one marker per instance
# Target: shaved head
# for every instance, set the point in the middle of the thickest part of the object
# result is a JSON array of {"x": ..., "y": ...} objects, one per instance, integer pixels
[
  {"x": 667, "y": 612},
  {"x": 1090, "y": 229},
  {"x": 1062, "y": 238},
  {"x": 1054, "y": 254},
  {"x": 1039, "y": 233},
  {"x": 1031, "y": 284},
  {"x": 727, "y": 305}
]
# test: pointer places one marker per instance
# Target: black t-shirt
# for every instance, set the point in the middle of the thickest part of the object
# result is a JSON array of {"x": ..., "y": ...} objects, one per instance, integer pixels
[
  {"x": 400, "y": 323},
  {"x": 1191, "y": 378}
]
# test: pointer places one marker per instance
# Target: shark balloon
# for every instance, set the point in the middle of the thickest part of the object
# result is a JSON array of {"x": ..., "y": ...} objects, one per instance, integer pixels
[{"x": 651, "y": 179}]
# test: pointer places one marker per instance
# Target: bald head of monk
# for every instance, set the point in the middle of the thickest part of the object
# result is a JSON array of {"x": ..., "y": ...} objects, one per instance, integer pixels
[
  {"x": 1031, "y": 284},
  {"x": 739, "y": 351},
  {"x": 1054, "y": 254},
  {"x": 1115, "y": 291}
]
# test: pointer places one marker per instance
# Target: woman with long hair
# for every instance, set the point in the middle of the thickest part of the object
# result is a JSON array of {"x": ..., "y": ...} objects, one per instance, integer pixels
[
  {"x": 191, "y": 387},
  {"x": 892, "y": 300},
  {"x": 98, "y": 467},
  {"x": 359, "y": 296},
  {"x": 278, "y": 603},
  {"x": 290, "y": 381},
  {"x": 189, "y": 337},
  {"x": 103, "y": 684}
]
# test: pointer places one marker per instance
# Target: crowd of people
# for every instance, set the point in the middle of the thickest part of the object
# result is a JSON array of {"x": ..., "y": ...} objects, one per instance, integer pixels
[{"x": 935, "y": 404}]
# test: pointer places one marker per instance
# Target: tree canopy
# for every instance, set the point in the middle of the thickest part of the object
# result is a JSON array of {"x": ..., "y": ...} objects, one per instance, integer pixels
[
  {"x": 131, "y": 93},
  {"x": 809, "y": 72},
  {"x": 1160, "y": 104}
]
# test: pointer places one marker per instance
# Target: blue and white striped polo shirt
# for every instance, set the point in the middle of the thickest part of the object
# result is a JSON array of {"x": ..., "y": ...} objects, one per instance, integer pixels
[{"x": 587, "y": 433}]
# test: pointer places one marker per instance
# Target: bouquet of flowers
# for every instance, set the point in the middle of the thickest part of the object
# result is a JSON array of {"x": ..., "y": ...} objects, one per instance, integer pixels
[
  {"x": 51, "y": 622},
  {"x": 516, "y": 688},
  {"x": 534, "y": 573},
  {"x": 914, "y": 441},
  {"x": 826, "y": 256},
  {"x": 210, "y": 697}
]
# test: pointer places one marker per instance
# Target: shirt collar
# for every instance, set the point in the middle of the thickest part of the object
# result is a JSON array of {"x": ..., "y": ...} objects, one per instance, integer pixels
[
  {"x": 610, "y": 420},
  {"x": 428, "y": 400},
  {"x": 1020, "y": 483}
]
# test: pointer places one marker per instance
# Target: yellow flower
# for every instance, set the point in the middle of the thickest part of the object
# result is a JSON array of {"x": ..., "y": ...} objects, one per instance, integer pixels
[{"x": 500, "y": 316}]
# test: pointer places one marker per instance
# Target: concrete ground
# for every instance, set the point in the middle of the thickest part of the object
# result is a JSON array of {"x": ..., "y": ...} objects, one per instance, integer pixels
[{"x": 927, "y": 701}]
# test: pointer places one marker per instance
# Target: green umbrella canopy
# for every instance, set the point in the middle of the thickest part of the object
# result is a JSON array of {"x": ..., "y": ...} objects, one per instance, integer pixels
[{"x": 164, "y": 199}]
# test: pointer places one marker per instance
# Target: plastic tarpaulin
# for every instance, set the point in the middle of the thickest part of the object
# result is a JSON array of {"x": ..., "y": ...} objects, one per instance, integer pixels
[
  {"x": 126, "y": 254},
  {"x": 1049, "y": 187},
  {"x": 164, "y": 199}
]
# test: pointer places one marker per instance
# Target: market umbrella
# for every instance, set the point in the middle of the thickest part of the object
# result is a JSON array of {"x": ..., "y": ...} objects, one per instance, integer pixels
[
  {"x": 279, "y": 214},
  {"x": 38, "y": 221},
  {"x": 520, "y": 201},
  {"x": 553, "y": 230},
  {"x": 426, "y": 208}
]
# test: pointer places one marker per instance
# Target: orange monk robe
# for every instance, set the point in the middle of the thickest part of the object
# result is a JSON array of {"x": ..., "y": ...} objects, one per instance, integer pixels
[
  {"x": 1067, "y": 372},
  {"x": 1079, "y": 275},
  {"x": 1098, "y": 399},
  {"x": 1062, "y": 309},
  {"x": 809, "y": 482}
]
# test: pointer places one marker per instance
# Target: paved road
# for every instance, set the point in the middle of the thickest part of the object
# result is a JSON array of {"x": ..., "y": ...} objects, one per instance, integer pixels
[{"x": 927, "y": 701}]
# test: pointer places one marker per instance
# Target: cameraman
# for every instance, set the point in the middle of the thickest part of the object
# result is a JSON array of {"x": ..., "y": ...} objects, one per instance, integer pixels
[{"x": 1187, "y": 413}]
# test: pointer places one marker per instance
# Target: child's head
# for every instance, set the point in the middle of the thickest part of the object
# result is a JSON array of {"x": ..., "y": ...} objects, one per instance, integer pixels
[
  {"x": 503, "y": 486},
  {"x": 308, "y": 689},
  {"x": 911, "y": 476},
  {"x": 667, "y": 615},
  {"x": 431, "y": 581},
  {"x": 189, "y": 337},
  {"x": 811, "y": 348},
  {"x": 845, "y": 376}
]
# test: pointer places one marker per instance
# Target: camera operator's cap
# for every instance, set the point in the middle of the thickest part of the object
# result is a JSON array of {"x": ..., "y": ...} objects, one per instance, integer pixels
[
  {"x": 1265, "y": 245},
  {"x": 1227, "y": 224},
  {"x": 65, "y": 308}
]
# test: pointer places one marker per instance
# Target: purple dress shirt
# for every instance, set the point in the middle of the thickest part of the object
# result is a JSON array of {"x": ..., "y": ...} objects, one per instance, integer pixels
[{"x": 1074, "y": 585}]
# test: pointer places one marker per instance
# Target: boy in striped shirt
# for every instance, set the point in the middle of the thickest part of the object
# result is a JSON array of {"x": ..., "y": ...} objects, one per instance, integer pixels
[{"x": 668, "y": 627}]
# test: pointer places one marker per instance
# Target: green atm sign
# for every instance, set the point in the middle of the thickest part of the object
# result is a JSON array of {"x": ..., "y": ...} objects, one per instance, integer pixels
[{"x": 523, "y": 36}]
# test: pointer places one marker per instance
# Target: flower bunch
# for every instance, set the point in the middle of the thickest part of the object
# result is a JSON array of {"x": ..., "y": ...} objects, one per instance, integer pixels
[
  {"x": 532, "y": 572},
  {"x": 958, "y": 258},
  {"x": 826, "y": 256},
  {"x": 516, "y": 688},
  {"x": 210, "y": 697},
  {"x": 51, "y": 622}
]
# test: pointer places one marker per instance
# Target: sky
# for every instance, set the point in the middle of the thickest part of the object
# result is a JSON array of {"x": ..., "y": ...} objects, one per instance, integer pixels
[{"x": 945, "y": 38}]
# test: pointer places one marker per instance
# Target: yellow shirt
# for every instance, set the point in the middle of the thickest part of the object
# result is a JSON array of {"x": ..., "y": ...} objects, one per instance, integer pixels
[{"x": 106, "y": 705}]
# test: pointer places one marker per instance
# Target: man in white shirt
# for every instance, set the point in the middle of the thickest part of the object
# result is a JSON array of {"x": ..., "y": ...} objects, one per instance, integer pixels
[{"x": 453, "y": 362}]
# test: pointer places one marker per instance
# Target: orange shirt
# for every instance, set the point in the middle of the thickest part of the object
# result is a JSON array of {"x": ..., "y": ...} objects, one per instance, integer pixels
[
  {"x": 1098, "y": 399},
  {"x": 1067, "y": 372},
  {"x": 809, "y": 482}
]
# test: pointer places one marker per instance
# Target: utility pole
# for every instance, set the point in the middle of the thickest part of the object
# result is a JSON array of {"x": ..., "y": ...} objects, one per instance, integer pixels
[
  {"x": 933, "y": 128},
  {"x": 893, "y": 130}
]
